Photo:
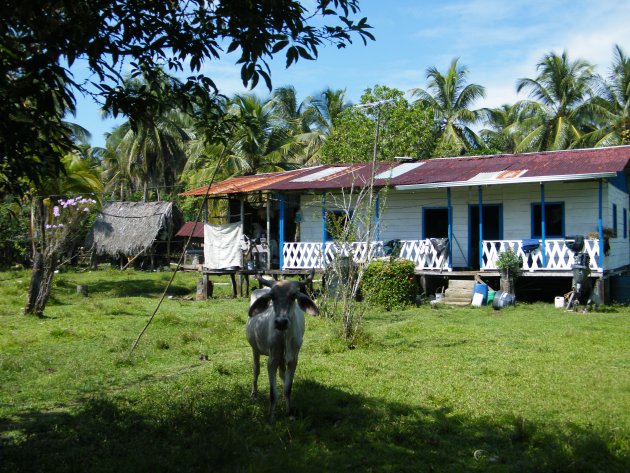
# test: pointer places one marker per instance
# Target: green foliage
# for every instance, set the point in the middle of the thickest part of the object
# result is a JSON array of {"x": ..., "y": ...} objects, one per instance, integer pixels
[
  {"x": 510, "y": 261},
  {"x": 389, "y": 284},
  {"x": 405, "y": 129},
  {"x": 451, "y": 99},
  {"x": 116, "y": 37},
  {"x": 14, "y": 238}
]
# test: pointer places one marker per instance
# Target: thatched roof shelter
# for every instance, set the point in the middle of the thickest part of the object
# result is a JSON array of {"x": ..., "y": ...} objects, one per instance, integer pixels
[{"x": 128, "y": 228}]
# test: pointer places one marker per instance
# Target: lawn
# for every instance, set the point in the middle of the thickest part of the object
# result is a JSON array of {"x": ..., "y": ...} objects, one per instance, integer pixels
[{"x": 526, "y": 389}]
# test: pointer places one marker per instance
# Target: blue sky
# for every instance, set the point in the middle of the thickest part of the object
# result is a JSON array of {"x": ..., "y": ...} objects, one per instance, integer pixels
[{"x": 499, "y": 41}]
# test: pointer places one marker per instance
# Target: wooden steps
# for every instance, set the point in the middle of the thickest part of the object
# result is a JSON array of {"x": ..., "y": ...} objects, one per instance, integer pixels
[{"x": 459, "y": 292}]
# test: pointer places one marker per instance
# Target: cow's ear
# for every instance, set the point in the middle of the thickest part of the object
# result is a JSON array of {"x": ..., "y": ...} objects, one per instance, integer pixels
[
  {"x": 306, "y": 304},
  {"x": 259, "y": 305}
]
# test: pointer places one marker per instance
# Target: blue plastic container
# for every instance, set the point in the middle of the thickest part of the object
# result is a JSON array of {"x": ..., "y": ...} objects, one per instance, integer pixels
[{"x": 481, "y": 288}]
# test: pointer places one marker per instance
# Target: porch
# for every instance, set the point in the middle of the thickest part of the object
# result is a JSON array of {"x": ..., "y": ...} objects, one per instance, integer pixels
[{"x": 557, "y": 257}]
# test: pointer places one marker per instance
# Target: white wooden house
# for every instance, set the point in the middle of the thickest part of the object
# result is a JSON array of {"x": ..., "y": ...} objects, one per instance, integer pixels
[{"x": 482, "y": 205}]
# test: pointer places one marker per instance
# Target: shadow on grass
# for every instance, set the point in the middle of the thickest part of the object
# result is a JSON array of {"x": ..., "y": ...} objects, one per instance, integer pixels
[
  {"x": 333, "y": 431},
  {"x": 138, "y": 288}
]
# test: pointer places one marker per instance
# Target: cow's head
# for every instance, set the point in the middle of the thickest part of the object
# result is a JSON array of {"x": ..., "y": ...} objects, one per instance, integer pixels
[{"x": 283, "y": 295}]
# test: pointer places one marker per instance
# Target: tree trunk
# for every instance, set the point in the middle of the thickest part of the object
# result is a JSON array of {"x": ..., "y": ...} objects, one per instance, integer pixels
[{"x": 40, "y": 285}]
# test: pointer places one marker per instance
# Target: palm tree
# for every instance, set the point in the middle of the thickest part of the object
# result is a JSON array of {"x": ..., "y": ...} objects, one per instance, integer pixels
[
  {"x": 153, "y": 151},
  {"x": 327, "y": 107},
  {"x": 451, "y": 98},
  {"x": 612, "y": 105},
  {"x": 259, "y": 142},
  {"x": 506, "y": 126},
  {"x": 560, "y": 112}
]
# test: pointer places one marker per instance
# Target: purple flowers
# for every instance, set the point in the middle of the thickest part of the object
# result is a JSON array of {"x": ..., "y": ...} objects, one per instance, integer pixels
[{"x": 75, "y": 204}]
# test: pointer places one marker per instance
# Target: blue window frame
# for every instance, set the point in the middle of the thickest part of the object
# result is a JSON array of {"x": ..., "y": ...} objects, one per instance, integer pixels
[
  {"x": 614, "y": 218},
  {"x": 554, "y": 220},
  {"x": 625, "y": 223}
]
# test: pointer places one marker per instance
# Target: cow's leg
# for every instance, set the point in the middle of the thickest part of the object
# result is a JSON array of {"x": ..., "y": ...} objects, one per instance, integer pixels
[
  {"x": 282, "y": 368},
  {"x": 272, "y": 366},
  {"x": 256, "y": 369},
  {"x": 288, "y": 384}
]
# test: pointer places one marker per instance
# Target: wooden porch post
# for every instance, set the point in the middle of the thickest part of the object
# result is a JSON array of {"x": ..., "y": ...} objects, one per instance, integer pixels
[
  {"x": 600, "y": 224},
  {"x": 323, "y": 229},
  {"x": 543, "y": 226},
  {"x": 480, "y": 227},
  {"x": 281, "y": 230},
  {"x": 450, "y": 228}
]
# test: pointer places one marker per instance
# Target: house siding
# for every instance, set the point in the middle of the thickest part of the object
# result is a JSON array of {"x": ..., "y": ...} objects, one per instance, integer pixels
[{"x": 401, "y": 213}]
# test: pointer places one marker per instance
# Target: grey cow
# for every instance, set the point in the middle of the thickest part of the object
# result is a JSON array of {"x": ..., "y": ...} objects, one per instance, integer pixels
[{"x": 275, "y": 328}]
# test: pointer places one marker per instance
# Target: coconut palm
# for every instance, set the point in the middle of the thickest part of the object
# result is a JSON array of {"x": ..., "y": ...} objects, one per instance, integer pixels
[
  {"x": 153, "y": 151},
  {"x": 560, "y": 113},
  {"x": 612, "y": 105},
  {"x": 506, "y": 126},
  {"x": 258, "y": 142},
  {"x": 451, "y": 100},
  {"x": 327, "y": 107}
]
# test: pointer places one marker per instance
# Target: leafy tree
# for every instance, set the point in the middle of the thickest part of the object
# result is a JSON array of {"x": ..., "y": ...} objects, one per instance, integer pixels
[
  {"x": 561, "y": 111},
  {"x": 451, "y": 98},
  {"x": 145, "y": 37},
  {"x": 612, "y": 104},
  {"x": 405, "y": 129}
]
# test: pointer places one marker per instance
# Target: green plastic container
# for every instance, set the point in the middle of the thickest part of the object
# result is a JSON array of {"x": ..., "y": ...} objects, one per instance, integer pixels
[{"x": 491, "y": 294}]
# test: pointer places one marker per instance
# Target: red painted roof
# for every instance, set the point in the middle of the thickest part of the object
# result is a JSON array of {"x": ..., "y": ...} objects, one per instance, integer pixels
[
  {"x": 432, "y": 171},
  {"x": 187, "y": 228}
]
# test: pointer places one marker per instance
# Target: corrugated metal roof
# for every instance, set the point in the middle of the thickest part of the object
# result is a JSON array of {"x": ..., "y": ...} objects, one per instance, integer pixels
[
  {"x": 187, "y": 229},
  {"x": 510, "y": 168}
]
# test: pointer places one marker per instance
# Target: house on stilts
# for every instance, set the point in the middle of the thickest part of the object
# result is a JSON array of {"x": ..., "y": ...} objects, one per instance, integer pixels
[{"x": 533, "y": 203}]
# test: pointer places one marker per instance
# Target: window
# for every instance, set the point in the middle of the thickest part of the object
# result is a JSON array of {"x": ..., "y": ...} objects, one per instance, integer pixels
[
  {"x": 614, "y": 216},
  {"x": 435, "y": 223},
  {"x": 554, "y": 220},
  {"x": 337, "y": 222}
]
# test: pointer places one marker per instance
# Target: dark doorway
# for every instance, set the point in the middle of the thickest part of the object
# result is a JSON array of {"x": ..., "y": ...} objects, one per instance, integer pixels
[{"x": 492, "y": 229}]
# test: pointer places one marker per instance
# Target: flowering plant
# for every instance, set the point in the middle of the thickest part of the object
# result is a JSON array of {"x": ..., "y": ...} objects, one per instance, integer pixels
[{"x": 72, "y": 209}]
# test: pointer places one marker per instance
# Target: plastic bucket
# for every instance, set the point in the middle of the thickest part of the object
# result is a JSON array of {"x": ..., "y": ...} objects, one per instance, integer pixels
[
  {"x": 481, "y": 288},
  {"x": 559, "y": 301},
  {"x": 490, "y": 296}
]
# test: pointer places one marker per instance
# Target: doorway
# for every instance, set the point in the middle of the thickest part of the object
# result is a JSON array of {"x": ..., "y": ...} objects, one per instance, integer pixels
[{"x": 492, "y": 229}]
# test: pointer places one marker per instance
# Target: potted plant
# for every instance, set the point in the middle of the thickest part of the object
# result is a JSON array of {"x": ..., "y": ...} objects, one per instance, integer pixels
[{"x": 509, "y": 264}]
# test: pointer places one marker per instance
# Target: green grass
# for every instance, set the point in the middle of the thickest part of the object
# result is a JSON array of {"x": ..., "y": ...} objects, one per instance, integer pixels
[{"x": 526, "y": 389}]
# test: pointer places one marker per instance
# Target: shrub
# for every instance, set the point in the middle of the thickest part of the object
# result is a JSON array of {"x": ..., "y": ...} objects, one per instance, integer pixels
[{"x": 390, "y": 284}]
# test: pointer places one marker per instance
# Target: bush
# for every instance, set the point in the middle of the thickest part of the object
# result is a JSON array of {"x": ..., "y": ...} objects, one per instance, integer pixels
[{"x": 390, "y": 284}]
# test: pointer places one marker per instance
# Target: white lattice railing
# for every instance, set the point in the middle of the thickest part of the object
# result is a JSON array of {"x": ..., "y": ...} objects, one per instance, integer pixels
[
  {"x": 304, "y": 255},
  {"x": 559, "y": 256}
]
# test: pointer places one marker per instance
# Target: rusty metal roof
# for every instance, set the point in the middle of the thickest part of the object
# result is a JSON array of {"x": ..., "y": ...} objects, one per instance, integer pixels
[
  {"x": 505, "y": 168},
  {"x": 187, "y": 229}
]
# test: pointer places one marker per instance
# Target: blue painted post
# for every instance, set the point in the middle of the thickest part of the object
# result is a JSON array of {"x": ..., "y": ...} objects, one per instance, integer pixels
[
  {"x": 543, "y": 229},
  {"x": 600, "y": 224},
  {"x": 323, "y": 229},
  {"x": 450, "y": 228},
  {"x": 281, "y": 230},
  {"x": 377, "y": 232},
  {"x": 480, "y": 227}
]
